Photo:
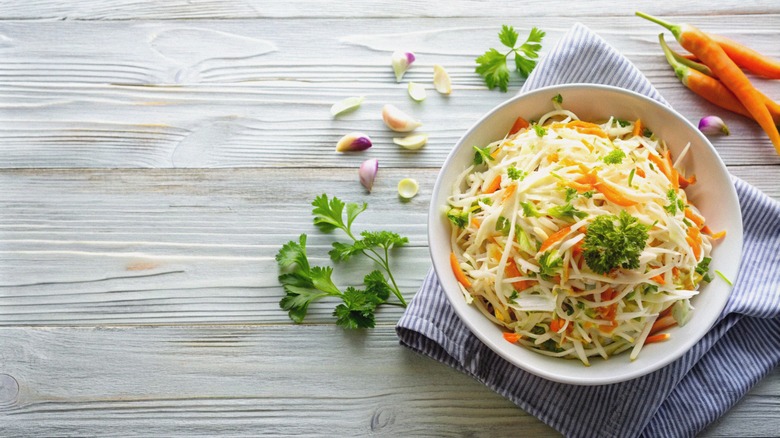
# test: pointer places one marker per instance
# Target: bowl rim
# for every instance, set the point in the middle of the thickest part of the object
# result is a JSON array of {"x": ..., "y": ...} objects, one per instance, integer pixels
[{"x": 434, "y": 212}]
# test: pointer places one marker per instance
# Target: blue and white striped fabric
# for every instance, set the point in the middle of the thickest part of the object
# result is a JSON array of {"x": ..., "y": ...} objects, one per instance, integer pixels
[{"x": 680, "y": 399}]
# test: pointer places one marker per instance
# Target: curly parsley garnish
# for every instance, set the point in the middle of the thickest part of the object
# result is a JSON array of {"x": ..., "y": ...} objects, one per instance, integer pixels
[
  {"x": 492, "y": 64},
  {"x": 614, "y": 241},
  {"x": 304, "y": 284}
]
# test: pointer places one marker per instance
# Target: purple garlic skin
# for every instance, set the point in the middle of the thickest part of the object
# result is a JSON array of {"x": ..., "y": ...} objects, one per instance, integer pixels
[
  {"x": 713, "y": 125},
  {"x": 401, "y": 61},
  {"x": 367, "y": 173},
  {"x": 353, "y": 142}
]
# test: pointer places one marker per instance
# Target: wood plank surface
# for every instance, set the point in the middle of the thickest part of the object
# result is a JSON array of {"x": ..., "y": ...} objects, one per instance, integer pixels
[{"x": 154, "y": 156}]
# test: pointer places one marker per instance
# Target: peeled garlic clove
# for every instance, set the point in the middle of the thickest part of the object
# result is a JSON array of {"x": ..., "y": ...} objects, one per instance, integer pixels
[
  {"x": 416, "y": 91},
  {"x": 441, "y": 80},
  {"x": 398, "y": 120},
  {"x": 367, "y": 173},
  {"x": 354, "y": 141},
  {"x": 713, "y": 125},
  {"x": 412, "y": 142},
  {"x": 408, "y": 188},
  {"x": 401, "y": 62},
  {"x": 346, "y": 105}
]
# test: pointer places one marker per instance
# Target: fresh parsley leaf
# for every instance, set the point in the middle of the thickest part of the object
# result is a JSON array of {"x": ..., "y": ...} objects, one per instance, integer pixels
[
  {"x": 482, "y": 155},
  {"x": 589, "y": 194},
  {"x": 647, "y": 133},
  {"x": 570, "y": 194},
  {"x": 540, "y": 132},
  {"x": 457, "y": 217},
  {"x": 513, "y": 297},
  {"x": 566, "y": 212},
  {"x": 623, "y": 123},
  {"x": 515, "y": 174},
  {"x": 503, "y": 225},
  {"x": 491, "y": 65},
  {"x": 615, "y": 157},
  {"x": 558, "y": 99},
  {"x": 671, "y": 195},
  {"x": 304, "y": 284},
  {"x": 609, "y": 245}
]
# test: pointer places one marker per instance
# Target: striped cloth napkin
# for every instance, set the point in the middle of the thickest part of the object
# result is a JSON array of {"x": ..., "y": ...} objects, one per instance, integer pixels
[{"x": 680, "y": 399}]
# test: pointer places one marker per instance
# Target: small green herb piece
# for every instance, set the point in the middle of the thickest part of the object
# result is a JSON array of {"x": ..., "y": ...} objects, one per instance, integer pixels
[
  {"x": 720, "y": 274},
  {"x": 623, "y": 123},
  {"x": 503, "y": 225},
  {"x": 558, "y": 99},
  {"x": 304, "y": 284},
  {"x": 549, "y": 264},
  {"x": 457, "y": 217},
  {"x": 609, "y": 245},
  {"x": 703, "y": 269},
  {"x": 540, "y": 132},
  {"x": 615, "y": 157},
  {"x": 570, "y": 193},
  {"x": 516, "y": 174},
  {"x": 631, "y": 176},
  {"x": 647, "y": 133},
  {"x": 565, "y": 212},
  {"x": 589, "y": 194},
  {"x": 675, "y": 203},
  {"x": 492, "y": 64},
  {"x": 529, "y": 210},
  {"x": 513, "y": 297},
  {"x": 482, "y": 155}
]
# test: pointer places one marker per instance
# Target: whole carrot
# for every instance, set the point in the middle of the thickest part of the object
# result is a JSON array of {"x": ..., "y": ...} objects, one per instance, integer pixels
[
  {"x": 710, "y": 88},
  {"x": 748, "y": 58},
  {"x": 714, "y": 57}
]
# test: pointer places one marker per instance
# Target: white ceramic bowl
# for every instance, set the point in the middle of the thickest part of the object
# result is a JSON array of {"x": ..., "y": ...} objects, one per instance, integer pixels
[{"x": 713, "y": 194}]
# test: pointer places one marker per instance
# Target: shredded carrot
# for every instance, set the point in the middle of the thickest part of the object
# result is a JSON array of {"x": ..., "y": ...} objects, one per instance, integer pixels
[
  {"x": 583, "y": 128},
  {"x": 456, "y": 269},
  {"x": 640, "y": 172},
  {"x": 638, "y": 128},
  {"x": 664, "y": 166},
  {"x": 719, "y": 235},
  {"x": 657, "y": 338},
  {"x": 556, "y": 324},
  {"x": 494, "y": 154},
  {"x": 510, "y": 190},
  {"x": 555, "y": 237},
  {"x": 512, "y": 337},
  {"x": 662, "y": 323},
  {"x": 475, "y": 222},
  {"x": 683, "y": 182},
  {"x": 512, "y": 271},
  {"x": 613, "y": 194},
  {"x": 694, "y": 240},
  {"x": 519, "y": 124},
  {"x": 553, "y": 157},
  {"x": 695, "y": 218},
  {"x": 494, "y": 185},
  {"x": 658, "y": 279}
]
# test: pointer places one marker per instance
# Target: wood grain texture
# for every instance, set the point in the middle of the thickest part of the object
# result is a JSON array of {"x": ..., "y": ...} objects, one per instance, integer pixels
[
  {"x": 154, "y": 157},
  {"x": 258, "y": 96},
  {"x": 190, "y": 381}
]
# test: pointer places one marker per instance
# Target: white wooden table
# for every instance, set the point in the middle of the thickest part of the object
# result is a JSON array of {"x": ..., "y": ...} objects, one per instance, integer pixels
[{"x": 153, "y": 158}]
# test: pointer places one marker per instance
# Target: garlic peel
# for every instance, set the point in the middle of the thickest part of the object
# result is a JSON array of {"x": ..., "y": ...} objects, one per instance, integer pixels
[
  {"x": 412, "y": 142},
  {"x": 401, "y": 61},
  {"x": 398, "y": 120},
  {"x": 713, "y": 125},
  {"x": 347, "y": 105},
  {"x": 441, "y": 80},
  {"x": 367, "y": 173},
  {"x": 354, "y": 141}
]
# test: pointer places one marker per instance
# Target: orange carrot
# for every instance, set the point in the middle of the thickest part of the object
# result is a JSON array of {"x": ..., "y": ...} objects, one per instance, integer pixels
[
  {"x": 664, "y": 164},
  {"x": 640, "y": 172},
  {"x": 519, "y": 124},
  {"x": 459, "y": 274},
  {"x": 748, "y": 58},
  {"x": 584, "y": 128},
  {"x": 494, "y": 185},
  {"x": 475, "y": 222},
  {"x": 711, "y": 89},
  {"x": 555, "y": 237},
  {"x": 683, "y": 182},
  {"x": 662, "y": 323},
  {"x": 694, "y": 240},
  {"x": 510, "y": 190},
  {"x": 556, "y": 324},
  {"x": 657, "y": 338},
  {"x": 659, "y": 279},
  {"x": 512, "y": 271},
  {"x": 695, "y": 218},
  {"x": 714, "y": 57},
  {"x": 613, "y": 195},
  {"x": 512, "y": 337},
  {"x": 638, "y": 128}
]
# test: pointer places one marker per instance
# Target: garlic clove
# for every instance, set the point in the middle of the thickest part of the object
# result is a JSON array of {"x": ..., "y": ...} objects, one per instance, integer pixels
[
  {"x": 367, "y": 173},
  {"x": 441, "y": 80},
  {"x": 352, "y": 142},
  {"x": 412, "y": 142},
  {"x": 401, "y": 61},
  {"x": 398, "y": 120},
  {"x": 713, "y": 125},
  {"x": 347, "y": 105},
  {"x": 408, "y": 188},
  {"x": 416, "y": 91}
]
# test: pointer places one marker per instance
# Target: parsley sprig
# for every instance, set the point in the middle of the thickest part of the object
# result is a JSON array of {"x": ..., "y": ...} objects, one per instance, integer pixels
[
  {"x": 609, "y": 245},
  {"x": 304, "y": 284},
  {"x": 492, "y": 64}
]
